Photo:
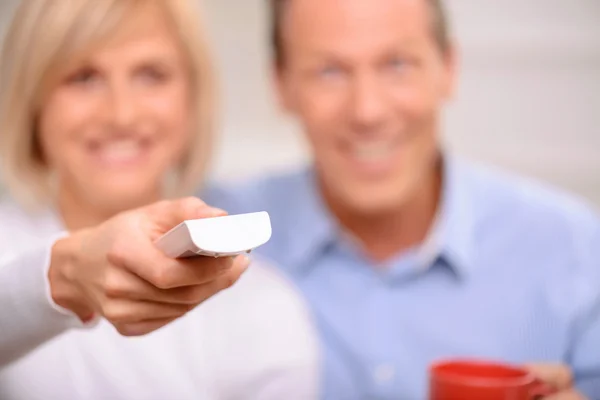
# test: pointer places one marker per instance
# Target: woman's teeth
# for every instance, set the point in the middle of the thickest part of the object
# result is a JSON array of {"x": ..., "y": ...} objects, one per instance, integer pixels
[{"x": 120, "y": 152}]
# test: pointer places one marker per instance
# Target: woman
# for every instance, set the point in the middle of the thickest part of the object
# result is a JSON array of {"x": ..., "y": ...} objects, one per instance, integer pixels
[{"x": 107, "y": 106}]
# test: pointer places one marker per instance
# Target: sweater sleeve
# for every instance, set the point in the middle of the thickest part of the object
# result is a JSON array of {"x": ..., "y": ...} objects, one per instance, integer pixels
[{"x": 28, "y": 316}]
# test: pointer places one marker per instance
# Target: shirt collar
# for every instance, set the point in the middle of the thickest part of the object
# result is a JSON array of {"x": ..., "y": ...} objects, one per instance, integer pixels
[
  {"x": 450, "y": 239},
  {"x": 313, "y": 228}
]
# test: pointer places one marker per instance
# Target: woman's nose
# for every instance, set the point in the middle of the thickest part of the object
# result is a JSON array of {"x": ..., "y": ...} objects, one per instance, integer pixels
[{"x": 123, "y": 104}]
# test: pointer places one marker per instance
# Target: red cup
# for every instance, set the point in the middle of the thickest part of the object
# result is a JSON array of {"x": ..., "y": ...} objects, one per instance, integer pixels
[{"x": 482, "y": 380}]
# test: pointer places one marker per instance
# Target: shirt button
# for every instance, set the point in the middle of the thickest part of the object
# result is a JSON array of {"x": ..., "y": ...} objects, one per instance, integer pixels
[{"x": 384, "y": 373}]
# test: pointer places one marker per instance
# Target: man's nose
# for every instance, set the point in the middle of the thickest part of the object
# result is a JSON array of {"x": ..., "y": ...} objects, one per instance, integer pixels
[{"x": 369, "y": 102}]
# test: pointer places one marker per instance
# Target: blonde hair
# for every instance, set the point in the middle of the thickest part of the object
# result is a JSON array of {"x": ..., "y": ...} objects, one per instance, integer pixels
[{"x": 42, "y": 36}]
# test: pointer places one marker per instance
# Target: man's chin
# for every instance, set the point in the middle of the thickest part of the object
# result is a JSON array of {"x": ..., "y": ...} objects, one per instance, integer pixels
[{"x": 373, "y": 205}]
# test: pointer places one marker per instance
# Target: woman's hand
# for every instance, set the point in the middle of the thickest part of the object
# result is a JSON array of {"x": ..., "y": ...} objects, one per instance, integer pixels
[{"x": 116, "y": 271}]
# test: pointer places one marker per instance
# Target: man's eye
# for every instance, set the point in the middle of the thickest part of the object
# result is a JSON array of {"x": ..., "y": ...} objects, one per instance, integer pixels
[
  {"x": 397, "y": 63},
  {"x": 330, "y": 71}
]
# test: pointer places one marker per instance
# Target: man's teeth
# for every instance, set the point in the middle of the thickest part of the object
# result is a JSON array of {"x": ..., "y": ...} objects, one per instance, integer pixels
[{"x": 374, "y": 151}]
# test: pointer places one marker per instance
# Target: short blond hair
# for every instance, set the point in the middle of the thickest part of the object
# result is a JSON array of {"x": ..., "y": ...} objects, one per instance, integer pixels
[{"x": 42, "y": 36}]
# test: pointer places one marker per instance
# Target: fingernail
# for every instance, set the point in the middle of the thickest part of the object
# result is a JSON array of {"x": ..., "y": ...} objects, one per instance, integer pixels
[
  {"x": 245, "y": 261},
  {"x": 217, "y": 212}
]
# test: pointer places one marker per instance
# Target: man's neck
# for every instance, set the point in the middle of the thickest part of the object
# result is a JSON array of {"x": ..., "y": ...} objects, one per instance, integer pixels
[{"x": 390, "y": 233}]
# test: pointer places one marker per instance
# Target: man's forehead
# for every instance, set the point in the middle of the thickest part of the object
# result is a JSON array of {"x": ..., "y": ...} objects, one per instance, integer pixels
[
  {"x": 350, "y": 16},
  {"x": 354, "y": 21},
  {"x": 345, "y": 9}
]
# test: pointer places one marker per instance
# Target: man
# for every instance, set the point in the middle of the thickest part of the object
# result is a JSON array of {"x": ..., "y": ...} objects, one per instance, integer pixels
[{"x": 407, "y": 254}]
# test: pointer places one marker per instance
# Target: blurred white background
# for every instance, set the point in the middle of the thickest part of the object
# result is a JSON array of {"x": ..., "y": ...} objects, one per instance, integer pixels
[{"x": 529, "y": 97}]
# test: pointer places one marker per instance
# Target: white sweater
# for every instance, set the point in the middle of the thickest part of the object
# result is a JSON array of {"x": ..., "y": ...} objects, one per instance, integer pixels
[{"x": 253, "y": 341}]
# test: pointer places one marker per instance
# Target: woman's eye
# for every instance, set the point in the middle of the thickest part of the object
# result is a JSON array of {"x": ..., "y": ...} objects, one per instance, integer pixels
[
  {"x": 153, "y": 74},
  {"x": 83, "y": 77}
]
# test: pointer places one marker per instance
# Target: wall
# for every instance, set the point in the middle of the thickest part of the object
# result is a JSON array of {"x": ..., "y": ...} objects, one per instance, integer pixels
[{"x": 529, "y": 97}]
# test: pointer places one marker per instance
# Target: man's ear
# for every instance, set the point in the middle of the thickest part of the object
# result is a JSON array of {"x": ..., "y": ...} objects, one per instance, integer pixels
[
  {"x": 450, "y": 61},
  {"x": 283, "y": 88}
]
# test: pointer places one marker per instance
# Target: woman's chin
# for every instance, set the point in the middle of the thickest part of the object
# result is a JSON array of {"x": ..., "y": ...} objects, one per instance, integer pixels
[{"x": 124, "y": 197}]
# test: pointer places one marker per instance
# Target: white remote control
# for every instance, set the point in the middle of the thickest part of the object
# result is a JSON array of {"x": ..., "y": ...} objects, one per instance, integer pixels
[{"x": 217, "y": 237}]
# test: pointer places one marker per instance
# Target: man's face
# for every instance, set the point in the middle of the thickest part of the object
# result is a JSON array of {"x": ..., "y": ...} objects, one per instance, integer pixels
[{"x": 367, "y": 81}]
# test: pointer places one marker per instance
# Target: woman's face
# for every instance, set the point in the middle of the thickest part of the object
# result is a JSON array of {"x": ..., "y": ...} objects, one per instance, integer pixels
[{"x": 119, "y": 119}]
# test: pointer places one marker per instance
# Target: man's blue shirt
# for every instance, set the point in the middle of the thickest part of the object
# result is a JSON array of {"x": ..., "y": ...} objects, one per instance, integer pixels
[{"x": 510, "y": 271}]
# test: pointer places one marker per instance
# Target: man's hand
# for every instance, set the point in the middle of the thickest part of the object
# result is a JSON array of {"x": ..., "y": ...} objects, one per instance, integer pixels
[
  {"x": 116, "y": 271},
  {"x": 559, "y": 377}
]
